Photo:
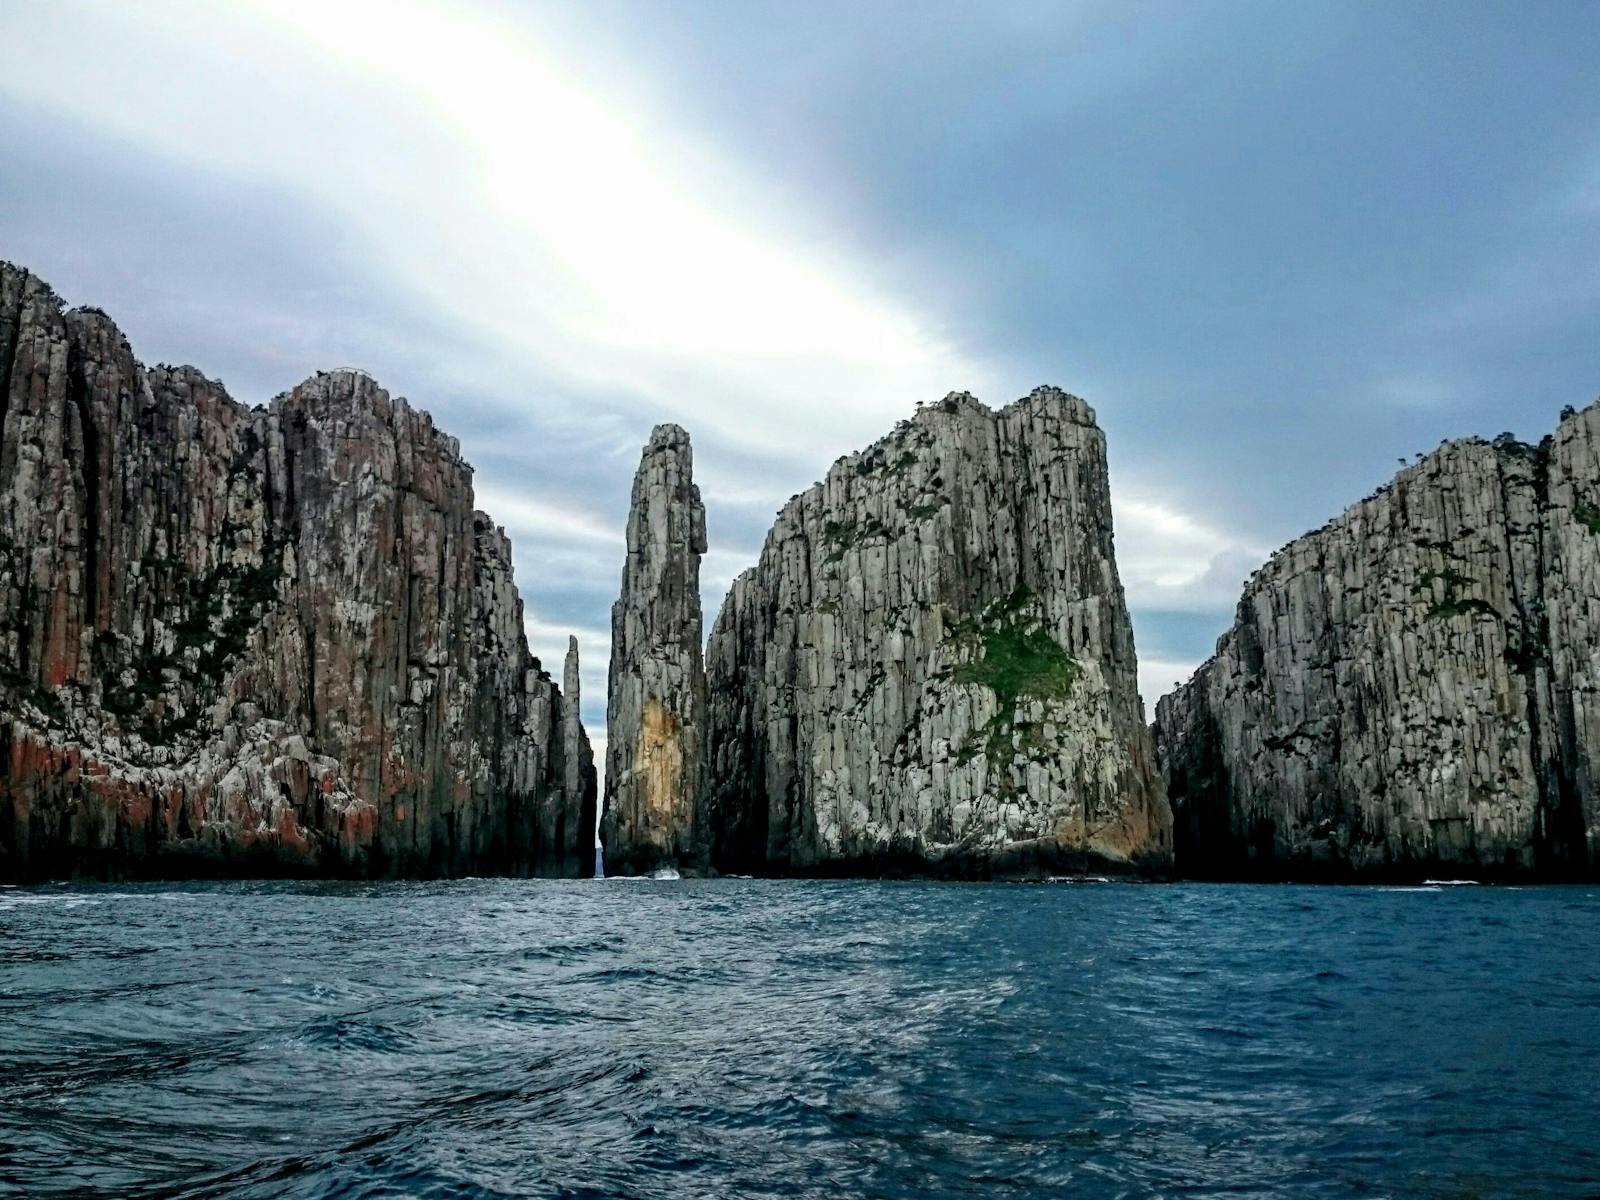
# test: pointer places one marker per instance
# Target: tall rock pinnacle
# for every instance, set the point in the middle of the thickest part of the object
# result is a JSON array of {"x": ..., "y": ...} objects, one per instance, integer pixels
[
  {"x": 577, "y": 842},
  {"x": 655, "y": 711}
]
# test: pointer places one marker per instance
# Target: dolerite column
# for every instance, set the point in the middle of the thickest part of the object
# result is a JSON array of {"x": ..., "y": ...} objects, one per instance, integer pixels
[
  {"x": 655, "y": 711},
  {"x": 578, "y": 766},
  {"x": 931, "y": 665},
  {"x": 254, "y": 640},
  {"x": 1402, "y": 693}
]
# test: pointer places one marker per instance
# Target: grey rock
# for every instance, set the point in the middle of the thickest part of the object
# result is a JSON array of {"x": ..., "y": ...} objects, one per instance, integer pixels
[
  {"x": 655, "y": 709},
  {"x": 245, "y": 640},
  {"x": 931, "y": 667},
  {"x": 1411, "y": 689},
  {"x": 577, "y": 839}
]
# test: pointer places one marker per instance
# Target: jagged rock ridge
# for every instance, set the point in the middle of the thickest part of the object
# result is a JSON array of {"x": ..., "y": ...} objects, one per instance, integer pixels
[
  {"x": 931, "y": 667},
  {"x": 1412, "y": 689},
  {"x": 656, "y": 701},
  {"x": 245, "y": 640}
]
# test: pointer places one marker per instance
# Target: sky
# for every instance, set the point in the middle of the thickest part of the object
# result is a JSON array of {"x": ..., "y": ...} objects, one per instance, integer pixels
[{"x": 1278, "y": 247}]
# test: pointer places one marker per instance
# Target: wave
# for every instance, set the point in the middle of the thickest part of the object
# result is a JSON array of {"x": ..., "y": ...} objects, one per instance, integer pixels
[
  {"x": 795, "y": 1040},
  {"x": 660, "y": 873}
]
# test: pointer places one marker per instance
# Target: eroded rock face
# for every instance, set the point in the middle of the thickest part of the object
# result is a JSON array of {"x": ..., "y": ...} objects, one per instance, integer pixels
[
  {"x": 1413, "y": 689},
  {"x": 655, "y": 711},
  {"x": 578, "y": 838},
  {"x": 255, "y": 640},
  {"x": 932, "y": 668}
]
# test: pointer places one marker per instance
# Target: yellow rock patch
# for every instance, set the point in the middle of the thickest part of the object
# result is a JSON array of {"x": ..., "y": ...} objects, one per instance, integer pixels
[{"x": 659, "y": 764}]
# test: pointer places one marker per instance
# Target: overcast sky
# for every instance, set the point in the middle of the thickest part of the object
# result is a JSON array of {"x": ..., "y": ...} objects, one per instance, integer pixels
[{"x": 1277, "y": 246}]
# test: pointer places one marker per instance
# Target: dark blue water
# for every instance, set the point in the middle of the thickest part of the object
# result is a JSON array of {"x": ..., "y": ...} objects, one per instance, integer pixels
[{"x": 745, "y": 1038}]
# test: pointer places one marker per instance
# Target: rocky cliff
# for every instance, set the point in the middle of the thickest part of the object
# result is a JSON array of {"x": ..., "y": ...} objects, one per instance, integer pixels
[
  {"x": 656, "y": 702},
  {"x": 1412, "y": 689},
  {"x": 241, "y": 640},
  {"x": 931, "y": 666}
]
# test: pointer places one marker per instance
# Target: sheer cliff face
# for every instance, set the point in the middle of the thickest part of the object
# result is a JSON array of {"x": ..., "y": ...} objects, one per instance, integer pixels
[
  {"x": 932, "y": 667},
  {"x": 239, "y": 640},
  {"x": 655, "y": 712},
  {"x": 1412, "y": 688}
]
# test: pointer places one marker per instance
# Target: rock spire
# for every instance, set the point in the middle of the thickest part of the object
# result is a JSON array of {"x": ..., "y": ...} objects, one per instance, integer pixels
[
  {"x": 656, "y": 701},
  {"x": 577, "y": 842}
]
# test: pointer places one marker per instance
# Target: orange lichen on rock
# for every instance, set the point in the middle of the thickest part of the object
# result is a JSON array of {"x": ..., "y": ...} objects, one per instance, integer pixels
[
  {"x": 231, "y": 610},
  {"x": 658, "y": 765}
]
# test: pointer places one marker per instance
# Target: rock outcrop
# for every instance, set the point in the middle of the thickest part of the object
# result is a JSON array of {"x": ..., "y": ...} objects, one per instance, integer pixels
[
  {"x": 577, "y": 842},
  {"x": 1413, "y": 689},
  {"x": 656, "y": 702},
  {"x": 931, "y": 667},
  {"x": 265, "y": 640}
]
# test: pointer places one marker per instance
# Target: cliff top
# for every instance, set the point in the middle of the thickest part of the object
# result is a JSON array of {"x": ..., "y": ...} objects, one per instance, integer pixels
[
  {"x": 1071, "y": 408},
  {"x": 667, "y": 436},
  {"x": 1051, "y": 401},
  {"x": 1430, "y": 464},
  {"x": 350, "y": 392}
]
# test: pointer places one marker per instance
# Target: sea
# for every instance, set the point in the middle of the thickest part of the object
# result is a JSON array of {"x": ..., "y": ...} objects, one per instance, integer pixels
[{"x": 773, "y": 1038}]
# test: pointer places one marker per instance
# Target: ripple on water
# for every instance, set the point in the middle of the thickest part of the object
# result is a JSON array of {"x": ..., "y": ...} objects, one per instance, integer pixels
[
  {"x": 761, "y": 1038},
  {"x": 346, "y": 1033}
]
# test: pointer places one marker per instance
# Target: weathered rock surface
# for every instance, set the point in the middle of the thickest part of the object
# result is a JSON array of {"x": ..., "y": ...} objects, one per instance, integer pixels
[
  {"x": 240, "y": 640},
  {"x": 1412, "y": 689},
  {"x": 576, "y": 841},
  {"x": 655, "y": 710},
  {"x": 931, "y": 667}
]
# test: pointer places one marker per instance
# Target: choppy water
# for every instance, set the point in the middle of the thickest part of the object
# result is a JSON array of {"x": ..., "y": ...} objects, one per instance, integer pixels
[{"x": 752, "y": 1038}]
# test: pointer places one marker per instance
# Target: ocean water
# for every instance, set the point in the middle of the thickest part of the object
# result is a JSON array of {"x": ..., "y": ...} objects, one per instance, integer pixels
[{"x": 769, "y": 1038}]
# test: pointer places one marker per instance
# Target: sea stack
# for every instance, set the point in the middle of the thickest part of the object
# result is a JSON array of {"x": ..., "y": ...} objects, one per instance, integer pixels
[
  {"x": 577, "y": 844},
  {"x": 931, "y": 667},
  {"x": 656, "y": 700},
  {"x": 253, "y": 640},
  {"x": 1414, "y": 688}
]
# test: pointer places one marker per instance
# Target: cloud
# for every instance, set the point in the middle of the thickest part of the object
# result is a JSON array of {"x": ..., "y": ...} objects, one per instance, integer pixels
[
  {"x": 554, "y": 226},
  {"x": 1542, "y": 283},
  {"x": 598, "y": 743},
  {"x": 523, "y": 513},
  {"x": 1171, "y": 561},
  {"x": 525, "y": 224},
  {"x": 569, "y": 225},
  {"x": 1414, "y": 391},
  {"x": 1158, "y": 676}
]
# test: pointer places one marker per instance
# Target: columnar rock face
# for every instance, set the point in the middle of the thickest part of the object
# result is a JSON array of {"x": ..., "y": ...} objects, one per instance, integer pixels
[
  {"x": 577, "y": 844},
  {"x": 655, "y": 712},
  {"x": 1412, "y": 689},
  {"x": 931, "y": 666},
  {"x": 242, "y": 640}
]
